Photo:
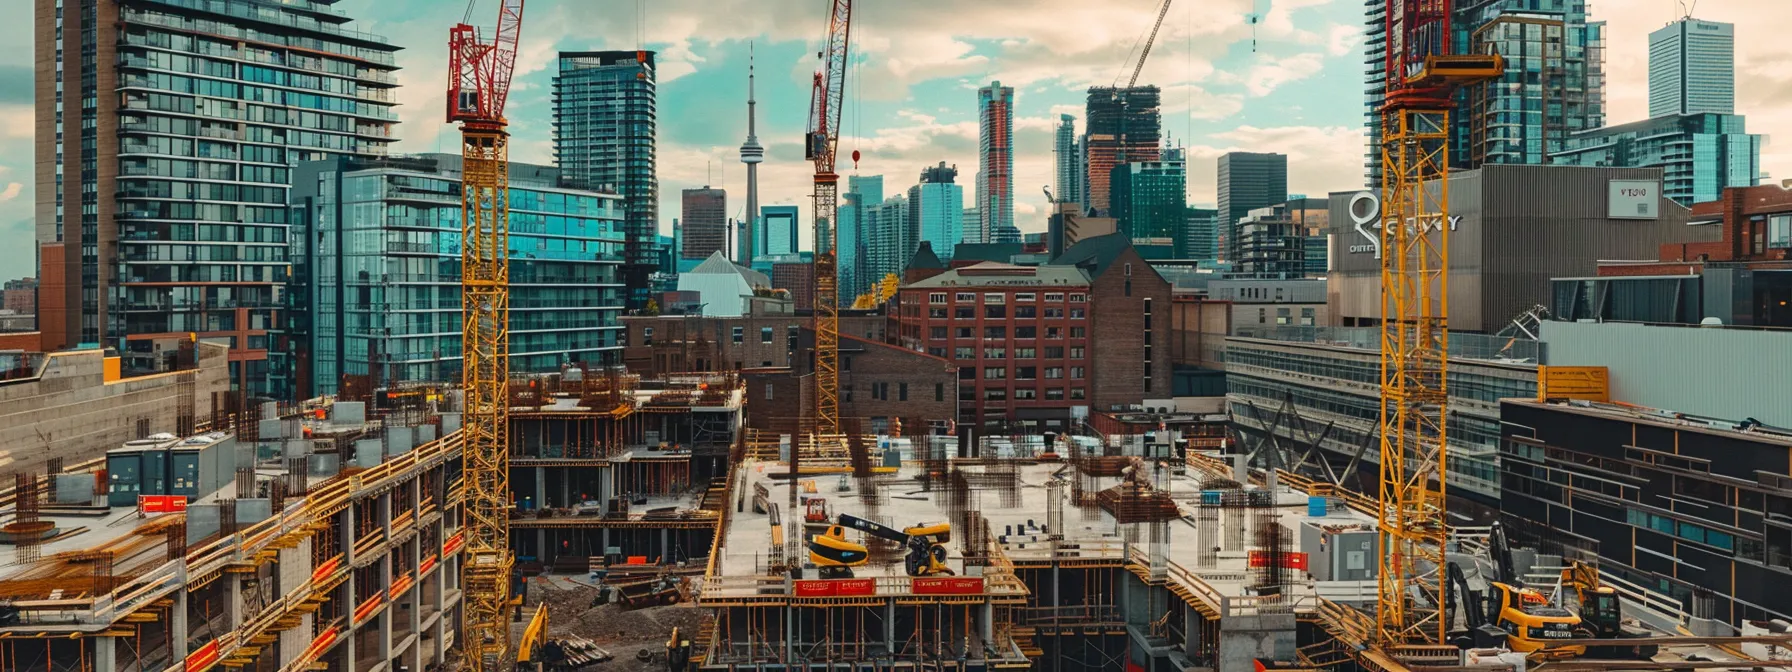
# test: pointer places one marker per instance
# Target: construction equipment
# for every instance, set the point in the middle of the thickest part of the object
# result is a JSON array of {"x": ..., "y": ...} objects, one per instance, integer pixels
[
  {"x": 479, "y": 75},
  {"x": 1423, "y": 74},
  {"x": 834, "y": 556},
  {"x": 678, "y": 651},
  {"x": 1601, "y": 614},
  {"x": 1526, "y": 615},
  {"x": 825, "y": 99},
  {"x": 815, "y": 510}
]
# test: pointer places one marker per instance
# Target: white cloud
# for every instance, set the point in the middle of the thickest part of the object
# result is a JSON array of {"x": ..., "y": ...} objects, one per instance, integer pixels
[
  {"x": 11, "y": 192},
  {"x": 18, "y": 121}
]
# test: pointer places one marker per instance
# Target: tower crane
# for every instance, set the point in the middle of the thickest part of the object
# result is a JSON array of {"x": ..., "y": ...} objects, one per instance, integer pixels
[
  {"x": 1423, "y": 74},
  {"x": 819, "y": 145},
  {"x": 478, "y": 82},
  {"x": 1120, "y": 94}
]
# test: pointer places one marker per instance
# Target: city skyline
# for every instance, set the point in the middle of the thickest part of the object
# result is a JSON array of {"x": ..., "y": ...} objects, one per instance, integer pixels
[{"x": 913, "y": 107}]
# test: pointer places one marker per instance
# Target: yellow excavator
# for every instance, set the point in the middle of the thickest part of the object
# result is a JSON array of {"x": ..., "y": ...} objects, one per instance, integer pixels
[
  {"x": 834, "y": 555},
  {"x": 1526, "y": 615},
  {"x": 1602, "y": 614}
]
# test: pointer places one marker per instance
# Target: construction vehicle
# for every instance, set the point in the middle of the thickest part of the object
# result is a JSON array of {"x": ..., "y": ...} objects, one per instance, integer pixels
[
  {"x": 1527, "y": 616},
  {"x": 678, "y": 651},
  {"x": 662, "y": 589},
  {"x": 1602, "y": 614},
  {"x": 815, "y": 510},
  {"x": 835, "y": 556},
  {"x": 479, "y": 75}
]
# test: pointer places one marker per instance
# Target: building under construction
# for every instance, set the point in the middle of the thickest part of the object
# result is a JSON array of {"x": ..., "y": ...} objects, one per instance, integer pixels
[{"x": 1123, "y": 127}]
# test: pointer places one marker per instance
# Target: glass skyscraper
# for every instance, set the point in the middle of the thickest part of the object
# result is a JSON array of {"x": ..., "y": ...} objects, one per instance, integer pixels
[
  {"x": 1247, "y": 181},
  {"x": 1554, "y": 84},
  {"x": 383, "y": 263},
  {"x": 175, "y": 126},
  {"x": 995, "y": 163},
  {"x": 1692, "y": 68},
  {"x": 1067, "y": 158},
  {"x": 1150, "y": 199},
  {"x": 858, "y": 218},
  {"x": 777, "y": 230},
  {"x": 605, "y": 118},
  {"x": 936, "y": 211}
]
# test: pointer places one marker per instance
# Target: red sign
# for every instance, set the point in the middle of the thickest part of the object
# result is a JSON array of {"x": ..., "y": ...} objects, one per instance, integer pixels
[
  {"x": 951, "y": 585},
  {"x": 1289, "y": 560},
  {"x": 162, "y": 503},
  {"x": 454, "y": 543},
  {"x": 325, "y": 570},
  {"x": 428, "y": 563},
  {"x": 836, "y": 588},
  {"x": 204, "y": 658}
]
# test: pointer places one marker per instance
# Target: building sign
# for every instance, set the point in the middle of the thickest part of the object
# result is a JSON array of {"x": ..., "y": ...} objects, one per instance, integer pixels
[
  {"x": 836, "y": 588},
  {"x": 162, "y": 503},
  {"x": 1365, "y": 214},
  {"x": 1633, "y": 199},
  {"x": 1289, "y": 560},
  {"x": 971, "y": 585}
]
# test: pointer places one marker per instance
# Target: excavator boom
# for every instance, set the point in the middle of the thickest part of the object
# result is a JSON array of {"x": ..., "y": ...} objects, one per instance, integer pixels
[{"x": 871, "y": 528}]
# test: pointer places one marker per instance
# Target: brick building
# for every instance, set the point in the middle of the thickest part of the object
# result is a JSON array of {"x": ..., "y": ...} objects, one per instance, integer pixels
[
  {"x": 1033, "y": 344},
  {"x": 765, "y": 337},
  {"x": 798, "y": 278},
  {"x": 20, "y": 296},
  {"x": 879, "y": 383}
]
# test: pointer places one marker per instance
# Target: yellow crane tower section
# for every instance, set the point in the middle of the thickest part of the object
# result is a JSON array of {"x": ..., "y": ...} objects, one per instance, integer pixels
[{"x": 478, "y": 82}]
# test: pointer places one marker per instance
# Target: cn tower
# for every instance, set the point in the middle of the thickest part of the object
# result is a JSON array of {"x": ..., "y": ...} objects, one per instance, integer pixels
[{"x": 751, "y": 153}]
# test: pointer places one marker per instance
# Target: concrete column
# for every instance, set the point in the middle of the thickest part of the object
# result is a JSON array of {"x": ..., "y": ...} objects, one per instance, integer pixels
[
  {"x": 541, "y": 544},
  {"x": 177, "y": 625},
  {"x": 233, "y": 600},
  {"x": 989, "y": 622},
  {"x": 346, "y": 533},
  {"x": 414, "y": 657},
  {"x": 890, "y": 625},
  {"x": 541, "y": 486},
  {"x": 105, "y": 654},
  {"x": 604, "y": 538},
  {"x": 666, "y": 544}
]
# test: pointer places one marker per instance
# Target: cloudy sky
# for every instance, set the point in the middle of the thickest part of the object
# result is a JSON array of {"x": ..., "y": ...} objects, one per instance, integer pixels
[{"x": 1290, "y": 83}]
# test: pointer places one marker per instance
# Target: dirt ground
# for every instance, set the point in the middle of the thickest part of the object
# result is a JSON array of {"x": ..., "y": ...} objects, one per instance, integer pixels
[{"x": 622, "y": 631}]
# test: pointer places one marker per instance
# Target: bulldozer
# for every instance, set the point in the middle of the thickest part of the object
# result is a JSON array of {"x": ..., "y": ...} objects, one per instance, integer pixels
[{"x": 834, "y": 555}]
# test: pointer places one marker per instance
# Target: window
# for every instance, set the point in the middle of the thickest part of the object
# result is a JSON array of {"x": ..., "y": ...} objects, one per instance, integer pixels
[
  {"x": 939, "y": 391},
  {"x": 937, "y": 313},
  {"x": 1054, "y": 373},
  {"x": 936, "y": 298},
  {"x": 1079, "y": 298},
  {"x": 995, "y": 353},
  {"x": 1262, "y": 315},
  {"x": 994, "y": 298},
  {"x": 1025, "y": 393},
  {"x": 1054, "y": 394},
  {"x": 902, "y": 391},
  {"x": 1054, "y": 297},
  {"x": 995, "y": 333},
  {"x": 1076, "y": 373},
  {"x": 965, "y": 313},
  {"x": 995, "y": 373},
  {"x": 1026, "y": 332},
  {"x": 1054, "y": 352},
  {"x": 739, "y": 335},
  {"x": 1026, "y": 312},
  {"x": 1022, "y": 297},
  {"x": 1076, "y": 332},
  {"x": 964, "y": 352},
  {"x": 1076, "y": 393},
  {"x": 1283, "y": 315},
  {"x": 768, "y": 391},
  {"x": 646, "y": 335},
  {"x": 936, "y": 333},
  {"x": 1054, "y": 332},
  {"x": 1306, "y": 317},
  {"x": 1076, "y": 352},
  {"x": 846, "y": 364},
  {"x": 1779, "y": 231},
  {"x": 1026, "y": 373},
  {"x": 965, "y": 297},
  {"x": 765, "y": 335},
  {"x": 1076, "y": 313},
  {"x": 995, "y": 312},
  {"x": 765, "y": 362},
  {"x": 846, "y": 393},
  {"x": 1025, "y": 353},
  {"x": 1054, "y": 312},
  {"x": 967, "y": 373},
  {"x": 937, "y": 352},
  {"x": 995, "y": 394}
]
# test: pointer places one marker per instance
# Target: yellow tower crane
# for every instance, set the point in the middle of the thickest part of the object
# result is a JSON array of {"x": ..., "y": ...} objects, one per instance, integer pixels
[{"x": 478, "y": 82}]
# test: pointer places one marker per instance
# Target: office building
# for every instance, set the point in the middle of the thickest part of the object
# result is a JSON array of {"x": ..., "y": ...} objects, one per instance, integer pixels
[
  {"x": 1285, "y": 240},
  {"x": 798, "y": 278},
  {"x": 1692, "y": 68},
  {"x": 20, "y": 296},
  {"x": 777, "y": 231},
  {"x": 605, "y": 119},
  {"x": 1247, "y": 181},
  {"x": 164, "y": 146},
  {"x": 936, "y": 209},
  {"x": 1149, "y": 199},
  {"x": 1699, "y": 155},
  {"x": 1067, "y": 158},
  {"x": 1201, "y": 236},
  {"x": 1122, "y": 126},
  {"x": 863, "y": 194},
  {"x": 1553, "y": 87},
  {"x": 1032, "y": 343},
  {"x": 1691, "y": 506},
  {"x": 995, "y": 162},
  {"x": 766, "y": 335},
  {"x": 383, "y": 292},
  {"x": 1375, "y": 65},
  {"x": 886, "y": 388},
  {"x": 1513, "y": 229},
  {"x": 705, "y": 223},
  {"x": 1295, "y": 380}
]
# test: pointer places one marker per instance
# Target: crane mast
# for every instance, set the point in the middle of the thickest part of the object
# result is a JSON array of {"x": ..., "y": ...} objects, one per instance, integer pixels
[
  {"x": 1423, "y": 74},
  {"x": 478, "y": 83},
  {"x": 822, "y": 140}
]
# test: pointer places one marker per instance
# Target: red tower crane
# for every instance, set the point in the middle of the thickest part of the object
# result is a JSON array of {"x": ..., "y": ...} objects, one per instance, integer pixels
[{"x": 479, "y": 75}]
